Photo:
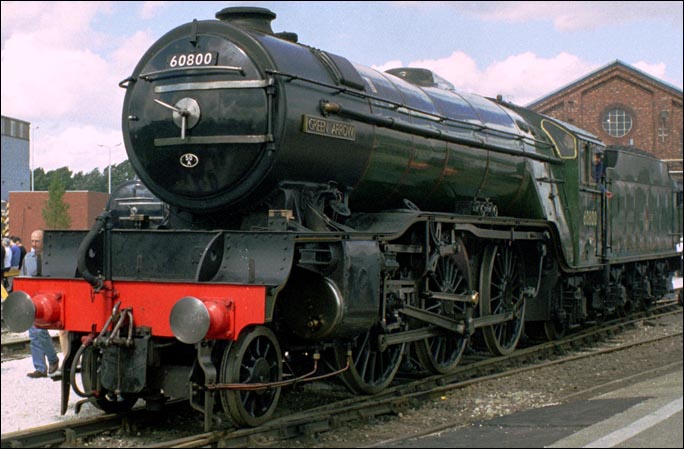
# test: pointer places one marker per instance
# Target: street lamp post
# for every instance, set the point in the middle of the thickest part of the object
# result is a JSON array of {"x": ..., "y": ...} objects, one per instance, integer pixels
[{"x": 109, "y": 147}]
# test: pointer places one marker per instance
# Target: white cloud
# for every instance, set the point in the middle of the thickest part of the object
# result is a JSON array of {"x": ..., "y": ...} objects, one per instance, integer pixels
[
  {"x": 77, "y": 147},
  {"x": 61, "y": 74},
  {"x": 657, "y": 70},
  {"x": 525, "y": 77},
  {"x": 42, "y": 82},
  {"x": 129, "y": 52},
  {"x": 573, "y": 16},
  {"x": 520, "y": 78},
  {"x": 393, "y": 64},
  {"x": 54, "y": 24},
  {"x": 458, "y": 68}
]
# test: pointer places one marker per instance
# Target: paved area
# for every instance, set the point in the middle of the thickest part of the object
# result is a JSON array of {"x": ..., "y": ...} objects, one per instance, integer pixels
[
  {"x": 654, "y": 422},
  {"x": 646, "y": 414}
]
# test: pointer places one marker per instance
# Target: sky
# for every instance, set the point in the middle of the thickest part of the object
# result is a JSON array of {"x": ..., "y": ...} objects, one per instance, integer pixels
[{"x": 62, "y": 61}]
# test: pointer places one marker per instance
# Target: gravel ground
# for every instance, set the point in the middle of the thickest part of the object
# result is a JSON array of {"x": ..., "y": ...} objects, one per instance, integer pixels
[
  {"x": 533, "y": 389},
  {"x": 30, "y": 402}
]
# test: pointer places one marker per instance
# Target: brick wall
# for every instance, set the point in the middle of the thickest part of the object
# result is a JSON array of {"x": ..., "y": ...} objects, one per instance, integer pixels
[
  {"x": 655, "y": 108},
  {"x": 25, "y": 214}
]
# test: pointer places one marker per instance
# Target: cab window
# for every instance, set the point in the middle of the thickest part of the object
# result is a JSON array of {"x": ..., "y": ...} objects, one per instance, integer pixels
[
  {"x": 564, "y": 142},
  {"x": 588, "y": 153}
]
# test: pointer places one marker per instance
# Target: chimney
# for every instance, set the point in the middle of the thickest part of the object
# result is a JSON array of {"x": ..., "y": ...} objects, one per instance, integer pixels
[{"x": 258, "y": 19}]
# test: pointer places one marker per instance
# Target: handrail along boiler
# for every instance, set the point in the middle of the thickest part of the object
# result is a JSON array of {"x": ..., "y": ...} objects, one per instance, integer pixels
[{"x": 323, "y": 218}]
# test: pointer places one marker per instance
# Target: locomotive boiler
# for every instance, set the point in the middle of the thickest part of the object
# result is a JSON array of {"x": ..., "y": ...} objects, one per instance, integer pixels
[{"x": 319, "y": 210}]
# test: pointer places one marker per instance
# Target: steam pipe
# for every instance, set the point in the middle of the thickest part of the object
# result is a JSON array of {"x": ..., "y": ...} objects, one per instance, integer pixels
[
  {"x": 96, "y": 281},
  {"x": 431, "y": 133}
]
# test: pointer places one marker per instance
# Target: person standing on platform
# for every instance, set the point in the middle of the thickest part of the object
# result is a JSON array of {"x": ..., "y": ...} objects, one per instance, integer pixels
[{"x": 41, "y": 342}]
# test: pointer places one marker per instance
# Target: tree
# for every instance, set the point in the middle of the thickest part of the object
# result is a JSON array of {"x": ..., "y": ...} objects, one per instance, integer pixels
[
  {"x": 64, "y": 175},
  {"x": 94, "y": 181},
  {"x": 122, "y": 172},
  {"x": 41, "y": 181},
  {"x": 56, "y": 211}
]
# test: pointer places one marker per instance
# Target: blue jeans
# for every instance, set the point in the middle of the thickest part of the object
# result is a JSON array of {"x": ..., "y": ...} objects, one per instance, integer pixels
[{"x": 41, "y": 347}]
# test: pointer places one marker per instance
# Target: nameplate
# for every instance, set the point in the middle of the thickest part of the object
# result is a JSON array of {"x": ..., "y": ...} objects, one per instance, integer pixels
[{"x": 328, "y": 128}]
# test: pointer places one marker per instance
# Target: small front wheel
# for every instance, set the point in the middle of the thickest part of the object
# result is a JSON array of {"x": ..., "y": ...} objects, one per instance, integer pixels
[{"x": 250, "y": 365}]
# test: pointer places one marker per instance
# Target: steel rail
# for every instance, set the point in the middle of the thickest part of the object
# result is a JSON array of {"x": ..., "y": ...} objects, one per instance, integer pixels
[
  {"x": 401, "y": 397},
  {"x": 327, "y": 417}
]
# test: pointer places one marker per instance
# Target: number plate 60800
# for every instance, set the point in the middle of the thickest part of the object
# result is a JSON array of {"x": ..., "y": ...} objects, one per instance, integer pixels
[{"x": 192, "y": 59}]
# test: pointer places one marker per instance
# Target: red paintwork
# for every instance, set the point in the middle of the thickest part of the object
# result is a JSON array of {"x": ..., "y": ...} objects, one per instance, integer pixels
[
  {"x": 221, "y": 323},
  {"x": 48, "y": 308},
  {"x": 232, "y": 307}
]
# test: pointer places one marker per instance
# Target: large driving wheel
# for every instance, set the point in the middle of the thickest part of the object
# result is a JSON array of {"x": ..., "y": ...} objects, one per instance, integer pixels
[
  {"x": 371, "y": 369},
  {"x": 451, "y": 274},
  {"x": 502, "y": 282},
  {"x": 256, "y": 359}
]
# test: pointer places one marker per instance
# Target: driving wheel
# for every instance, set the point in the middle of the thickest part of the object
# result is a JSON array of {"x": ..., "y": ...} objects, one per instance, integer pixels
[
  {"x": 451, "y": 274},
  {"x": 371, "y": 368},
  {"x": 502, "y": 280}
]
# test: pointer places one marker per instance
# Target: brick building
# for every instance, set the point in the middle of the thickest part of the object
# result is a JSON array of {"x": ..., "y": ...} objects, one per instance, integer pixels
[
  {"x": 26, "y": 211},
  {"x": 623, "y": 106}
]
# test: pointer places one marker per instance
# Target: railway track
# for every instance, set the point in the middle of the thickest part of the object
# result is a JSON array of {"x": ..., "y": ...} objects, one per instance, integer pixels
[
  {"x": 401, "y": 397},
  {"x": 407, "y": 393},
  {"x": 16, "y": 348}
]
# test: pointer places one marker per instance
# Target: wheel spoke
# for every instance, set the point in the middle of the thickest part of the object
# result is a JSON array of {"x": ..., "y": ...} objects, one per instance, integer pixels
[
  {"x": 364, "y": 366},
  {"x": 373, "y": 362}
]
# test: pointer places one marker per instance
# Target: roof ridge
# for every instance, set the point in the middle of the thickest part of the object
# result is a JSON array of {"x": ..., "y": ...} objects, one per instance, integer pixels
[{"x": 617, "y": 63}]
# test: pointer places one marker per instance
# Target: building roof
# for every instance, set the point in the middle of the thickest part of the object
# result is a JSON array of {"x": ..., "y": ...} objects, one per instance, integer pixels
[
  {"x": 15, "y": 119},
  {"x": 606, "y": 68}
]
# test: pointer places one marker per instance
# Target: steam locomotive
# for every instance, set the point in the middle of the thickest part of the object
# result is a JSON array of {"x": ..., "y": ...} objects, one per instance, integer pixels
[{"x": 317, "y": 217}]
